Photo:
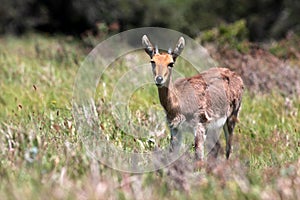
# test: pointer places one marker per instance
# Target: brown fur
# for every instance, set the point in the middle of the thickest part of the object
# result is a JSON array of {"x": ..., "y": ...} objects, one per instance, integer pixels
[
  {"x": 204, "y": 94},
  {"x": 203, "y": 101}
]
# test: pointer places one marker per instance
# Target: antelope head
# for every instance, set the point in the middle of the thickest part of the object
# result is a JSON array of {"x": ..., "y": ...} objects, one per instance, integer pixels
[{"x": 162, "y": 63}]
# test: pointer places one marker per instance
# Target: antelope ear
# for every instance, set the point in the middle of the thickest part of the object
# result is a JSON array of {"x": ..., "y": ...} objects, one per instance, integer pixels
[
  {"x": 148, "y": 46},
  {"x": 178, "y": 48}
]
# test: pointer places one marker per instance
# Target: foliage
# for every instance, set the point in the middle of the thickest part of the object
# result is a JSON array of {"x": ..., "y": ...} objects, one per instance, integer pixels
[
  {"x": 287, "y": 48},
  {"x": 264, "y": 19},
  {"x": 234, "y": 35}
]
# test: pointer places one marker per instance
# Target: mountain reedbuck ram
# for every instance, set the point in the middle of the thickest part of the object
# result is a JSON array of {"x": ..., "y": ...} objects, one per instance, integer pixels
[{"x": 207, "y": 101}]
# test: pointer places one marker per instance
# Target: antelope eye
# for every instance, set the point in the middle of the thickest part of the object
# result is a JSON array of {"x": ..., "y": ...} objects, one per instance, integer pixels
[
  {"x": 152, "y": 64},
  {"x": 171, "y": 64}
]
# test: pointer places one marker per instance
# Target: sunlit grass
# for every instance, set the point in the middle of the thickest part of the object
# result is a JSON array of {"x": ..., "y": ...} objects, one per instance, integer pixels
[{"x": 37, "y": 74}]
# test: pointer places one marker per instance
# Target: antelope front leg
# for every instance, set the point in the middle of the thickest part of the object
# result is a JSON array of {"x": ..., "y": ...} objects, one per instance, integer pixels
[
  {"x": 199, "y": 141},
  {"x": 176, "y": 121},
  {"x": 175, "y": 139},
  {"x": 175, "y": 132}
]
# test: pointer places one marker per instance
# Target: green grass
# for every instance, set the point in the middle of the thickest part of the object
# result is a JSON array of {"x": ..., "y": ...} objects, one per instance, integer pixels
[{"x": 37, "y": 74}]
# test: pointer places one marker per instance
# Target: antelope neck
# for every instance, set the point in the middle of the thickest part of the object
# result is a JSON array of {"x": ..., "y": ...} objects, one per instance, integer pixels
[{"x": 167, "y": 97}]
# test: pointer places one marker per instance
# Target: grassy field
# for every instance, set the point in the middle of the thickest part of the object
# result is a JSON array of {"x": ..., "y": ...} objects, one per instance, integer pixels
[{"x": 42, "y": 156}]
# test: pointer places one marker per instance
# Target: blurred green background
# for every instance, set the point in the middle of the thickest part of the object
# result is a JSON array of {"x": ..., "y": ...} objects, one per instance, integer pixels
[{"x": 265, "y": 18}]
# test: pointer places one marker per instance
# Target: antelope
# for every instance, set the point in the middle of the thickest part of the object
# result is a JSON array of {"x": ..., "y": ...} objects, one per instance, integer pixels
[{"x": 208, "y": 101}]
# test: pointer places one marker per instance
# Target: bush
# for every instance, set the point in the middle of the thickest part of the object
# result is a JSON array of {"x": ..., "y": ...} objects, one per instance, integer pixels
[
  {"x": 264, "y": 19},
  {"x": 234, "y": 35}
]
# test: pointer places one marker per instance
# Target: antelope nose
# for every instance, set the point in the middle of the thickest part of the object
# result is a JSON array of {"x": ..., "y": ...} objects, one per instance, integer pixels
[{"x": 158, "y": 80}]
